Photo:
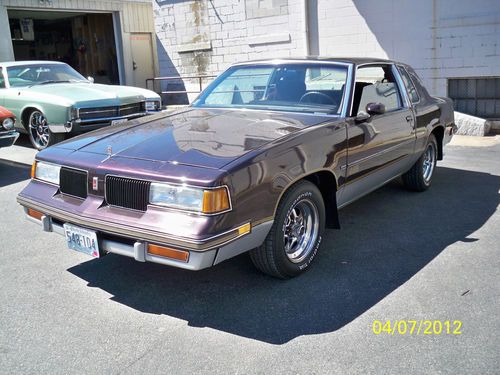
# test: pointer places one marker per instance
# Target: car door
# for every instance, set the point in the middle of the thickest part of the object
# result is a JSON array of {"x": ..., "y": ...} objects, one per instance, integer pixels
[{"x": 380, "y": 146}]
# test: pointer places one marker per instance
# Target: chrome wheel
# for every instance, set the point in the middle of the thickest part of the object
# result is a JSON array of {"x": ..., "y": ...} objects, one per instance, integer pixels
[
  {"x": 301, "y": 230},
  {"x": 429, "y": 162},
  {"x": 39, "y": 130}
]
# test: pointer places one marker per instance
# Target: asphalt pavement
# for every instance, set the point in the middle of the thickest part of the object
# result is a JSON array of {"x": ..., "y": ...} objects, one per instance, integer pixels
[{"x": 400, "y": 256}]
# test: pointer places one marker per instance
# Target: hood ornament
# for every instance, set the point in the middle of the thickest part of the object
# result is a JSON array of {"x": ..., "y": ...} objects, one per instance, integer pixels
[{"x": 109, "y": 150}]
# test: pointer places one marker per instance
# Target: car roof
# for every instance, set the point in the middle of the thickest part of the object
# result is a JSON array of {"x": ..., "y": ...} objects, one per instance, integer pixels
[
  {"x": 348, "y": 60},
  {"x": 29, "y": 62}
]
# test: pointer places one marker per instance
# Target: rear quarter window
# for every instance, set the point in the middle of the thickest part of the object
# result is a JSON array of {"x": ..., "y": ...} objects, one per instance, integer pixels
[{"x": 409, "y": 85}]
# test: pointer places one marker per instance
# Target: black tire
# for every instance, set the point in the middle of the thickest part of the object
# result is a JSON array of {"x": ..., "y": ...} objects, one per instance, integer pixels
[
  {"x": 419, "y": 177},
  {"x": 302, "y": 200},
  {"x": 38, "y": 131}
]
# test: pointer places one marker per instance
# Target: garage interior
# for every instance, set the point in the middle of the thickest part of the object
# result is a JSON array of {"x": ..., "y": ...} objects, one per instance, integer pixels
[{"x": 85, "y": 41}]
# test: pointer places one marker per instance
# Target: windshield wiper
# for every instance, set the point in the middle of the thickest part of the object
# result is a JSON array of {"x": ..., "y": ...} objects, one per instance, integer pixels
[{"x": 48, "y": 81}]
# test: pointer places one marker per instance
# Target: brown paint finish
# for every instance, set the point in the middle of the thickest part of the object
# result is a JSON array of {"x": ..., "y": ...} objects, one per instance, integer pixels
[{"x": 257, "y": 154}]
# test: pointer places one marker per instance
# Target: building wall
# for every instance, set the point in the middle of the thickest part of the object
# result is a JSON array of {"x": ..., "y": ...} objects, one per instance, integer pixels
[
  {"x": 206, "y": 37},
  {"x": 440, "y": 39},
  {"x": 130, "y": 16}
]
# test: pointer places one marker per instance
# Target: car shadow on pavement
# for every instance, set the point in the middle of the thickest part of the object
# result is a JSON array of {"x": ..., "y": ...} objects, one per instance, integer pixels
[
  {"x": 24, "y": 141},
  {"x": 12, "y": 172},
  {"x": 387, "y": 237}
]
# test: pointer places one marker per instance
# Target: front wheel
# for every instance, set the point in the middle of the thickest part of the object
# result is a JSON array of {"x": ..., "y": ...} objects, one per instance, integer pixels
[
  {"x": 39, "y": 132},
  {"x": 419, "y": 177},
  {"x": 295, "y": 237}
]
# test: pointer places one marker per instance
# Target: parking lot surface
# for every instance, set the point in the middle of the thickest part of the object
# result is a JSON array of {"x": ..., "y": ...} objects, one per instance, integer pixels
[{"x": 399, "y": 256}]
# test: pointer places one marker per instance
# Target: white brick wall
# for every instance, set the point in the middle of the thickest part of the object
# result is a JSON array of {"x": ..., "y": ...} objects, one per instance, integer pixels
[
  {"x": 440, "y": 39},
  {"x": 231, "y": 35}
]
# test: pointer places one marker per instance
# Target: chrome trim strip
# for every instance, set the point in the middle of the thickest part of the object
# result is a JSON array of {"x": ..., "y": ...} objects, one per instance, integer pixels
[
  {"x": 292, "y": 61},
  {"x": 103, "y": 119},
  {"x": 126, "y": 231},
  {"x": 316, "y": 114},
  {"x": 392, "y": 148}
]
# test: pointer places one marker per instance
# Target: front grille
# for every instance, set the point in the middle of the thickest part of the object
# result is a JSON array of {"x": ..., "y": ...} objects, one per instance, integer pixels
[
  {"x": 95, "y": 113},
  {"x": 127, "y": 192},
  {"x": 73, "y": 182},
  {"x": 111, "y": 112},
  {"x": 130, "y": 109}
]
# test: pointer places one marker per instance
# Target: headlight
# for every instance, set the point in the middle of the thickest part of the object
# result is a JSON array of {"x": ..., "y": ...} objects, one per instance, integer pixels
[
  {"x": 152, "y": 105},
  {"x": 74, "y": 113},
  {"x": 207, "y": 201},
  {"x": 8, "y": 123},
  {"x": 46, "y": 172}
]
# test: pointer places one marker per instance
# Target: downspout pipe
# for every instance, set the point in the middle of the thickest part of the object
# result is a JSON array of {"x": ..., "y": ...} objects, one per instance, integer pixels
[{"x": 307, "y": 47}]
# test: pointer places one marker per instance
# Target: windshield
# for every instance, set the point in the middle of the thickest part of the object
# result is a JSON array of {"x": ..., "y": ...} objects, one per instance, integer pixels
[
  {"x": 287, "y": 87},
  {"x": 36, "y": 74}
]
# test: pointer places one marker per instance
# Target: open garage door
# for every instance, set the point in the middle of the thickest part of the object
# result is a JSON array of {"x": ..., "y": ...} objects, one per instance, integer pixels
[{"x": 83, "y": 40}]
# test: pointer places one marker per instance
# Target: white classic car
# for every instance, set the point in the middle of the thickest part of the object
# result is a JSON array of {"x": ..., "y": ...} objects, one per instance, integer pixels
[{"x": 51, "y": 99}]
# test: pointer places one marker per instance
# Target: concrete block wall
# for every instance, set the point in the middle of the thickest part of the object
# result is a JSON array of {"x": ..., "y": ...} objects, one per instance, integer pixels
[
  {"x": 441, "y": 39},
  {"x": 206, "y": 37}
]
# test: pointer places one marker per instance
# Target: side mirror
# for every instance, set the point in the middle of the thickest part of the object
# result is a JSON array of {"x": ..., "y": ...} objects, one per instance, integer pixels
[
  {"x": 90, "y": 79},
  {"x": 375, "y": 108}
]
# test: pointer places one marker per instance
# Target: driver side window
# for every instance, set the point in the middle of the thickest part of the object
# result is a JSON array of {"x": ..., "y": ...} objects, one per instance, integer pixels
[
  {"x": 2, "y": 80},
  {"x": 376, "y": 84}
]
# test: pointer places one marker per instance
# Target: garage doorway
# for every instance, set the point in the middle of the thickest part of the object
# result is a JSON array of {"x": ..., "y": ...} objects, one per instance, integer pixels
[{"x": 85, "y": 41}]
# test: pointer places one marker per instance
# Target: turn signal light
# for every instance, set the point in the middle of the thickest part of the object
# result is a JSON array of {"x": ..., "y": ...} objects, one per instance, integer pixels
[
  {"x": 215, "y": 200},
  {"x": 35, "y": 214},
  {"x": 33, "y": 169},
  {"x": 244, "y": 229},
  {"x": 167, "y": 252}
]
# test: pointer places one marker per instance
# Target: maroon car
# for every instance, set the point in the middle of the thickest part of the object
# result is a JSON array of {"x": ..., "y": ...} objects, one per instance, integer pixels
[
  {"x": 8, "y": 135},
  {"x": 260, "y": 162}
]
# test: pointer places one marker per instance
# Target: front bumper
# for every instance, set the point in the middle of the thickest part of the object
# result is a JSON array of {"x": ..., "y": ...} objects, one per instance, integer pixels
[
  {"x": 133, "y": 242},
  {"x": 8, "y": 138},
  {"x": 80, "y": 126}
]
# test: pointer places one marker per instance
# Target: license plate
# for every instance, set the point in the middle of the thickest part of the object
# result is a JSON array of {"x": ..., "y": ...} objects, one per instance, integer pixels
[
  {"x": 117, "y": 122},
  {"x": 82, "y": 240}
]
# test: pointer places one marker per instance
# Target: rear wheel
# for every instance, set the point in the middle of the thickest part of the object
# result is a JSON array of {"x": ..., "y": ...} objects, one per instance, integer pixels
[
  {"x": 295, "y": 237},
  {"x": 419, "y": 177},
  {"x": 39, "y": 132}
]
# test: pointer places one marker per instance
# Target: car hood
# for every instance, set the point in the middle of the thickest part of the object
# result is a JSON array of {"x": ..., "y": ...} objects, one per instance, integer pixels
[
  {"x": 87, "y": 94},
  {"x": 208, "y": 138}
]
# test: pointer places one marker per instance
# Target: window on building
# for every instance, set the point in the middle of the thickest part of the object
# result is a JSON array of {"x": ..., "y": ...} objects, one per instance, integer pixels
[{"x": 476, "y": 96}]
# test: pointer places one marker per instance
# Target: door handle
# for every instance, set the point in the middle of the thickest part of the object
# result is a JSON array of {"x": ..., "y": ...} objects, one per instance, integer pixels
[
  {"x": 134, "y": 65},
  {"x": 409, "y": 118}
]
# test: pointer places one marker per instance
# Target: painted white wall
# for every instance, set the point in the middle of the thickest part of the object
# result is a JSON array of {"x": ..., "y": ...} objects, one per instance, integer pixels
[
  {"x": 6, "y": 50},
  {"x": 440, "y": 39}
]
